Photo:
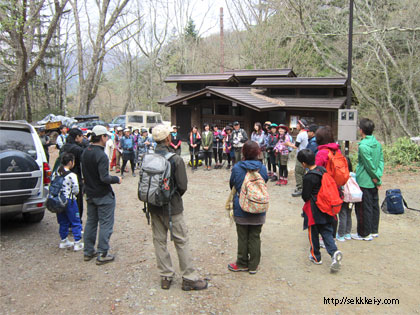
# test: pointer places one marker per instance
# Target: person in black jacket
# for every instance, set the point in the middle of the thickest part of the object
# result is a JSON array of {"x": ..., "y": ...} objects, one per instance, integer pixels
[
  {"x": 74, "y": 145},
  {"x": 316, "y": 221},
  {"x": 100, "y": 197}
]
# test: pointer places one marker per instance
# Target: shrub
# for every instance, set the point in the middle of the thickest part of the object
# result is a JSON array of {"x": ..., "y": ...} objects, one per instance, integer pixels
[{"x": 402, "y": 152}]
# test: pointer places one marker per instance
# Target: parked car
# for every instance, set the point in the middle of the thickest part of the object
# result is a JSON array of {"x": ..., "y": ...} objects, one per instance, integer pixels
[
  {"x": 118, "y": 121},
  {"x": 142, "y": 119},
  {"x": 89, "y": 124},
  {"x": 24, "y": 172}
]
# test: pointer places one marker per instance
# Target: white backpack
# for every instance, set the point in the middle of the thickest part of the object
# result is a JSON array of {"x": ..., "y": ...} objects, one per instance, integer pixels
[{"x": 352, "y": 191}]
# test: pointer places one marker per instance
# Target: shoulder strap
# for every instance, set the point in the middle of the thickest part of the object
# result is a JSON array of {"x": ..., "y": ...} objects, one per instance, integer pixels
[
  {"x": 168, "y": 155},
  {"x": 317, "y": 171}
]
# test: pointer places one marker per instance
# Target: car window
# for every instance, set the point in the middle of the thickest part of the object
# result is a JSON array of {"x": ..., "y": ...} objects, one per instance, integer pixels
[
  {"x": 159, "y": 119},
  {"x": 16, "y": 139},
  {"x": 151, "y": 119},
  {"x": 135, "y": 119},
  {"x": 119, "y": 120}
]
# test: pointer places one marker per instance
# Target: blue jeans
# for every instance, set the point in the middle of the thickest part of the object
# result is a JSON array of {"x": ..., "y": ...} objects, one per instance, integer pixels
[
  {"x": 68, "y": 218},
  {"x": 100, "y": 211}
]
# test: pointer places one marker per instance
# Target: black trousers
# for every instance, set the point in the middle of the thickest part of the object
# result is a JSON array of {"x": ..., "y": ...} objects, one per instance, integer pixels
[
  {"x": 229, "y": 158},
  {"x": 272, "y": 158},
  {"x": 283, "y": 172},
  {"x": 125, "y": 163},
  {"x": 79, "y": 199},
  {"x": 218, "y": 155},
  {"x": 207, "y": 157},
  {"x": 194, "y": 160},
  {"x": 367, "y": 212},
  {"x": 326, "y": 231}
]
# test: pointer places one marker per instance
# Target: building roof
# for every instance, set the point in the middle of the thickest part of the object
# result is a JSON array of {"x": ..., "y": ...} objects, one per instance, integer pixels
[
  {"x": 283, "y": 82},
  {"x": 206, "y": 77},
  {"x": 230, "y": 75},
  {"x": 168, "y": 99},
  {"x": 257, "y": 73},
  {"x": 250, "y": 97}
]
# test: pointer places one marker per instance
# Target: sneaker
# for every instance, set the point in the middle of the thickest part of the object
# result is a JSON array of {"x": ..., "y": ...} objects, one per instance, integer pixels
[
  {"x": 104, "y": 258},
  {"x": 347, "y": 237},
  {"x": 65, "y": 244},
  {"x": 312, "y": 259},
  {"x": 78, "y": 245},
  {"x": 209, "y": 168},
  {"x": 361, "y": 238},
  {"x": 336, "y": 261},
  {"x": 253, "y": 272},
  {"x": 122, "y": 175},
  {"x": 228, "y": 167},
  {"x": 340, "y": 238},
  {"x": 134, "y": 174},
  {"x": 279, "y": 182},
  {"x": 234, "y": 267},
  {"x": 165, "y": 283},
  {"x": 90, "y": 257},
  {"x": 297, "y": 193},
  {"x": 274, "y": 178},
  {"x": 189, "y": 285},
  {"x": 374, "y": 235}
]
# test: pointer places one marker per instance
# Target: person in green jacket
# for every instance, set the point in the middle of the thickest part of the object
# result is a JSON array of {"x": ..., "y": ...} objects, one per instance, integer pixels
[
  {"x": 207, "y": 142},
  {"x": 369, "y": 171}
]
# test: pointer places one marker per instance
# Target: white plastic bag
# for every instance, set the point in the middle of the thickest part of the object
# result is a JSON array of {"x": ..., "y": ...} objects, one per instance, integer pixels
[{"x": 352, "y": 191}]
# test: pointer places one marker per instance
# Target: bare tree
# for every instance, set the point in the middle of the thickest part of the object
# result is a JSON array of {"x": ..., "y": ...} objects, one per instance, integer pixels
[
  {"x": 19, "y": 20},
  {"x": 101, "y": 41}
]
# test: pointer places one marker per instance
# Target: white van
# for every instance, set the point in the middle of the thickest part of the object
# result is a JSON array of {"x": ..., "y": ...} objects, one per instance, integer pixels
[{"x": 142, "y": 119}]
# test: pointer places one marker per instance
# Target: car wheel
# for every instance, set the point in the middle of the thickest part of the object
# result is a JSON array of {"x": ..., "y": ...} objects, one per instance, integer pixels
[{"x": 33, "y": 217}]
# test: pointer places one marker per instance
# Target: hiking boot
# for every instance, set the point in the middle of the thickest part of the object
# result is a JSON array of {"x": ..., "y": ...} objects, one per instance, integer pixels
[
  {"x": 78, "y": 245},
  {"x": 284, "y": 181},
  {"x": 165, "y": 283},
  {"x": 312, "y": 259},
  {"x": 65, "y": 244},
  {"x": 361, "y": 238},
  {"x": 189, "y": 285},
  {"x": 104, "y": 258},
  {"x": 336, "y": 261},
  {"x": 234, "y": 267},
  {"x": 89, "y": 257},
  {"x": 228, "y": 167},
  {"x": 279, "y": 182},
  {"x": 297, "y": 193}
]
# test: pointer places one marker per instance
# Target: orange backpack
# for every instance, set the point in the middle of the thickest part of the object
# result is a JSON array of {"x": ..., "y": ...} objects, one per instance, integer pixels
[
  {"x": 328, "y": 199},
  {"x": 337, "y": 167}
]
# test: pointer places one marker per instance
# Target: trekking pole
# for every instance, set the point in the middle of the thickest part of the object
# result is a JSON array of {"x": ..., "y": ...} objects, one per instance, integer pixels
[
  {"x": 146, "y": 212},
  {"x": 170, "y": 220}
]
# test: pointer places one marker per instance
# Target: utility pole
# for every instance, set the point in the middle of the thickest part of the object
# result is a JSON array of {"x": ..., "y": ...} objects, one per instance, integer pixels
[
  {"x": 222, "y": 44},
  {"x": 349, "y": 68}
]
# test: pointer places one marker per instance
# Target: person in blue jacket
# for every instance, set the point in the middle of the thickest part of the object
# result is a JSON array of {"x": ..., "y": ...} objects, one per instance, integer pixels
[{"x": 248, "y": 226}]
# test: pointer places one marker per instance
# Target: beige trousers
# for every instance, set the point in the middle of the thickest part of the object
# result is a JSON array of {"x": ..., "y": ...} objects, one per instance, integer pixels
[{"x": 160, "y": 227}]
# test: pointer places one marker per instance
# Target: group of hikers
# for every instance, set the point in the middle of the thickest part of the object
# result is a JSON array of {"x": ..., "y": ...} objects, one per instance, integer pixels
[{"x": 268, "y": 148}]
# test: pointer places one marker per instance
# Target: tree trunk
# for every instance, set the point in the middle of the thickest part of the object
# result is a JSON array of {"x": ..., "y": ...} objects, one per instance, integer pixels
[{"x": 28, "y": 104}]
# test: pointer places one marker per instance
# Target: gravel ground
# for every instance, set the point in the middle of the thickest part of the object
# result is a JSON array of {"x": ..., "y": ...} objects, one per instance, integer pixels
[{"x": 38, "y": 277}]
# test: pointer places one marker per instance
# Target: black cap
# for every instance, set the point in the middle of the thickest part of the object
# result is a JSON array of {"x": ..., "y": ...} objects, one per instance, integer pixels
[
  {"x": 303, "y": 122},
  {"x": 313, "y": 128},
  {"x": 236, "y": 123}
]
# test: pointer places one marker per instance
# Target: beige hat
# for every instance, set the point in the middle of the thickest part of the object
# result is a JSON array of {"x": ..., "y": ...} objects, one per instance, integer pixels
[
  {"x": 160, "y": 132},
  {"x": 99, "y": 130},
  {"x": 119, "y": 129},
  {"x": 126, "y": 129}
]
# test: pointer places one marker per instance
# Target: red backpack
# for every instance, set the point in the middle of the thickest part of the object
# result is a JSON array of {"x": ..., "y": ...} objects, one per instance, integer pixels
[
  {"x": 328, "y": 199},
  {"x": 337, "y": 167}
]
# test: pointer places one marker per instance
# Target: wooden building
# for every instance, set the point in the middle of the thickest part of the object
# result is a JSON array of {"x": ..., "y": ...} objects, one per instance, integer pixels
[{"x": 250, "y": 96}]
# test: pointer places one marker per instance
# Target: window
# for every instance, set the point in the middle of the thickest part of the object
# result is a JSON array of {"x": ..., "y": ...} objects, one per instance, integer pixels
[
  {"x": 283, "y": 92},
  {"x": 191, "y": 87},
  {"x": 222, "y": 109},
  {"x": 159, "y": 119},
  {"x": 119, "y": 120},
  {"x": 314, "y": 92},
  {"x": 135, "y": 119},
  {"x": 207, "y": 110},
  {"x": 151, "y": 119},
  {"x": 16, "y": 139}
]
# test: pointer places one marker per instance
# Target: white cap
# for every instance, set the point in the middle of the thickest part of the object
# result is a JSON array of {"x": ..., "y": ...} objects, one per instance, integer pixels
[
  {"x": 119, "y": 129},
  {"x": 99, "y": 130},
  {"x": 160, "y": 132},
  {"x": 126, "y": 129}
]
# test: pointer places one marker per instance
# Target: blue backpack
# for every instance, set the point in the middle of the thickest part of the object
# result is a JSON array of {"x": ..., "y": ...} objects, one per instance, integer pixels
[
  {"x": 127, "y": 143},
  {"x": 56, "y": 201}
]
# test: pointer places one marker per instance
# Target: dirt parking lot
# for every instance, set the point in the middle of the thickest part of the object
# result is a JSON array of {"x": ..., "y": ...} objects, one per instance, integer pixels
[{"x": 37, "y": 277}]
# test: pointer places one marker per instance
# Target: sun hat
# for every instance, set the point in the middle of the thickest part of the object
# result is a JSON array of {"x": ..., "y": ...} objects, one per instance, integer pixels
[
  {"x": 284, "y": 127},
  {"x": 160, "y": 132},
  {"x": 126, "y": 129},
  {"x": 99, "y": 130}
]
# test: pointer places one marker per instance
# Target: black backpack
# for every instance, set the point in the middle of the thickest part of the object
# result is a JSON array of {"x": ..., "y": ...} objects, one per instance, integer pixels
[{"x": 56, "y": 201}]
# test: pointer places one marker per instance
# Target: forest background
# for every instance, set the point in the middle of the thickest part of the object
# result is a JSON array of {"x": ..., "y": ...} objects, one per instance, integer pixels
[{"x": 106, "y": 57}]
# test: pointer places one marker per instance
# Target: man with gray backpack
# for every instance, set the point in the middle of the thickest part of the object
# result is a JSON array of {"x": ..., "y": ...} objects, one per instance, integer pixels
[{"x": 163, "y": 181}]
